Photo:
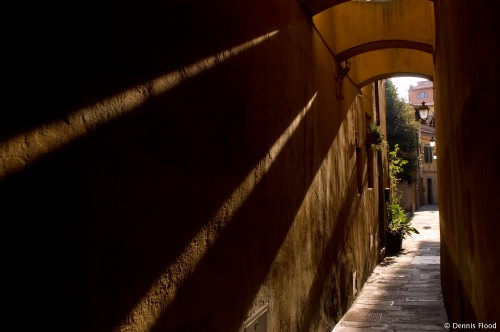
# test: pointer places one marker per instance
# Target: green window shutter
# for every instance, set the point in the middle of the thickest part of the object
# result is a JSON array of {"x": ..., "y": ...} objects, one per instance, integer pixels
[{"x": 428, "y": 154}]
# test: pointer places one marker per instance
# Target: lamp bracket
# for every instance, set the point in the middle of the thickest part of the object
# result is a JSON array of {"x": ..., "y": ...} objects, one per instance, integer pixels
[{"x": 343, "y": 69}]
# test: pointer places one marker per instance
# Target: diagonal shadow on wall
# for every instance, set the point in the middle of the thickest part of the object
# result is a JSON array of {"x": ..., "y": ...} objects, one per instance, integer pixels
[
  {"x": 94, "y": 223},
  {"x": 331, "y": 261},
  {"x": 218, "y": 294},
  {"x": 93, "y": 50}
]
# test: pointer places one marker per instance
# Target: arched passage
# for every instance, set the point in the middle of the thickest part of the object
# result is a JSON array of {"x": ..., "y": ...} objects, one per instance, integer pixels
[
  {"x": 378, "y": 37},
  {"x": 182, "y": 143}
]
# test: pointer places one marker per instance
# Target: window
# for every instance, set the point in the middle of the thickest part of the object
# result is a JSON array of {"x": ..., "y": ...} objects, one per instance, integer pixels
[
  {"x": 422, "y": 95},
  {"x": 359, "y": 171},
  {"x": 369, "y": 160},
  {"x": 428, "y": 154}
]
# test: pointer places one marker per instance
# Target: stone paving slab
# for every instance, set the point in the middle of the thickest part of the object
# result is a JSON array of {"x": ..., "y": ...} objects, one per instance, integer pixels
[
  {"x": 403, "y": 293},
  {"x": 426, "y": 260}
]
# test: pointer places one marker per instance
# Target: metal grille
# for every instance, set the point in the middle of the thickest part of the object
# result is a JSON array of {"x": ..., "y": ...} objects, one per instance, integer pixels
[{"x": 364, "y": 317}]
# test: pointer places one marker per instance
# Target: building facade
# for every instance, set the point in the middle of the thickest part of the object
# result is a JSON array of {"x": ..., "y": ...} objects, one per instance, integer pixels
[{"x": 427, "y": 182}]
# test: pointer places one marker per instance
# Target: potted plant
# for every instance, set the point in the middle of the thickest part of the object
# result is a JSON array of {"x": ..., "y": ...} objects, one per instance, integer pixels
[
  {"x": 399, "y": 224},
  {"x": 374, "y": 136},
  {"x": 398, "y": 228}
]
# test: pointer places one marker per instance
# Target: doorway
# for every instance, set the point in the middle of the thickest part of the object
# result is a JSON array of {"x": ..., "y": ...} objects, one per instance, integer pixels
[{"x": 429, "y": 191}]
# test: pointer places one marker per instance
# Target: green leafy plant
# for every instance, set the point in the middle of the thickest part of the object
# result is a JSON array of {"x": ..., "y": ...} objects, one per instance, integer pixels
[
  {"x": 374, "y": 136},
  {"x": 399, "y": 222},
  {"x": 402, "y": 129}
]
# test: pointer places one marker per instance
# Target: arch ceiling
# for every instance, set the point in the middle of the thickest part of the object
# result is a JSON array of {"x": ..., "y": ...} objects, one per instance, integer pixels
[{"x": 380, "y": 38}]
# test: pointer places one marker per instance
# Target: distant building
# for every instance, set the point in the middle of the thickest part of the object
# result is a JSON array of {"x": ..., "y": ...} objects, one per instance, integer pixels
[
  {"x": 427, "y": 186},
  {"x": 423, "y": 91}
]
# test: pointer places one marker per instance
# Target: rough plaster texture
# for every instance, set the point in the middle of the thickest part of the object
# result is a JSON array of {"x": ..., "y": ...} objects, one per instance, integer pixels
[
  {"x": 187, "y": 167},
  {"x": 467, "y": 141}
]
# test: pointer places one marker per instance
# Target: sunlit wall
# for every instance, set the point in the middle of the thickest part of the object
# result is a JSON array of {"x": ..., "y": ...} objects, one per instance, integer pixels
[{"x": 180, "y": 166}]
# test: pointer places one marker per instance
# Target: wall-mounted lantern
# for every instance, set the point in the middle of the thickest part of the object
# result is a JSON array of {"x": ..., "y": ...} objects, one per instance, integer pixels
[
  {"x": 422, "y": 112},
  {"x": 432, "y": 143}
]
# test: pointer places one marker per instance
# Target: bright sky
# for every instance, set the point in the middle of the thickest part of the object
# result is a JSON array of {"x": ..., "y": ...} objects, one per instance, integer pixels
[{"x": 403, "y": 84}]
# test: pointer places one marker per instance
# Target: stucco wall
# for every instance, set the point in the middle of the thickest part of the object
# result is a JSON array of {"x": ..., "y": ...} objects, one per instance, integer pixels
[
  {"x": 408, "y": 195},
  {"x": 467, "y": 143},
  {"x": 187, "y": 165},
  {"x": 425, "y": 87}
]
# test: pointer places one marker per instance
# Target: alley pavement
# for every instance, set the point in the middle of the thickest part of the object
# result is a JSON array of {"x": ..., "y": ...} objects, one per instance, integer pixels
[{"x": 403, "y": 293}]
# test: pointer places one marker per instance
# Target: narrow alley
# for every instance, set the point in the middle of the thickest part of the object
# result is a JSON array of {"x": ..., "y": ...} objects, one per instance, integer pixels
[
  {"x": 223, "y": 166},
  {"x": 404, "y": 291}
]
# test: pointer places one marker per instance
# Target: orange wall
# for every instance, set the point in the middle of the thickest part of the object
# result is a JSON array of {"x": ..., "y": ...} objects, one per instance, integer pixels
[
  {"x": 467, "y": 144},
  {"x": 187, "y": 165}
]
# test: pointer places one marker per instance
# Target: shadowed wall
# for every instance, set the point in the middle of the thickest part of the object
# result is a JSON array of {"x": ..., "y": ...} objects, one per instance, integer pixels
[
  {"x": 179, "y": 166},
  {"x": 467, "y": 143}
]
